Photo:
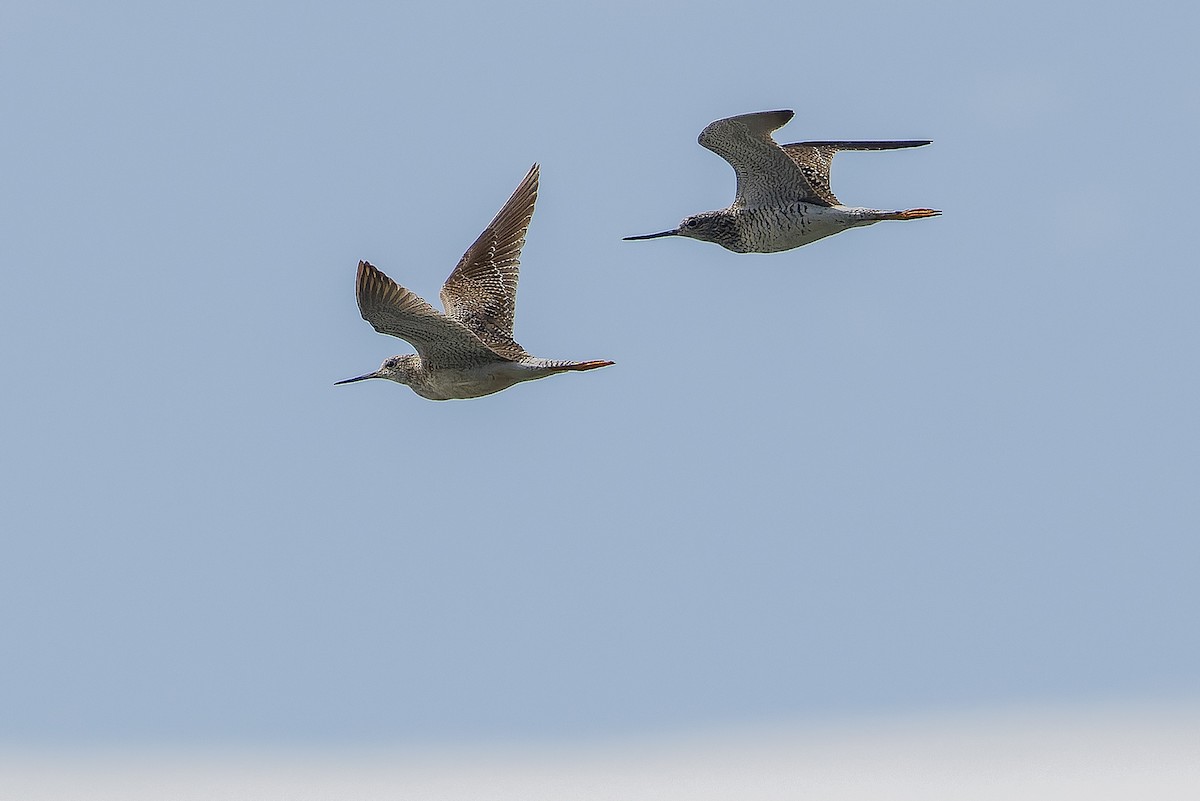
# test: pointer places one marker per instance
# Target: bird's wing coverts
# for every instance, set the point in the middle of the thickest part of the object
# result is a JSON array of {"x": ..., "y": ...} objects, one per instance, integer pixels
[
  {"x": 766, "y": 176},
  {"x": 481, "y": 292},
  {"x": 814, "y": 160},
  {"x": 439, "y": 340}
]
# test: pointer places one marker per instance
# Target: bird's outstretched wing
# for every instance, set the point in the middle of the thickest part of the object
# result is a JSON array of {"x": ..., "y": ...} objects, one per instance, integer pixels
[
  {"x": 814, "y": 159},
  {"x": 481, "y": 292},
  {"x": 765, "y": 174},
  {"x": 391, "y": 309}
]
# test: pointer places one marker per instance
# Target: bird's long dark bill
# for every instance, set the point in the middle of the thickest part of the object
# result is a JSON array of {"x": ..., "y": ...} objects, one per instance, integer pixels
[
  {"x": 357, "y": 378},
  {"x": 674, "y": 232}
]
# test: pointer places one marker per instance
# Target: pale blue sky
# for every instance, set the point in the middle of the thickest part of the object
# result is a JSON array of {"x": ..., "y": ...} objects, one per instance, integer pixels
[{"x": 936, "y": 465}]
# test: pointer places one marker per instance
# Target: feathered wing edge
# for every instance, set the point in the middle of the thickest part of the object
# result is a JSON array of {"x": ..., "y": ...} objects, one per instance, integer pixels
[
  {"x": 391, "y": 309},
  {"x": 815, "y": 159},
  {"x": 481, "y": 292}
]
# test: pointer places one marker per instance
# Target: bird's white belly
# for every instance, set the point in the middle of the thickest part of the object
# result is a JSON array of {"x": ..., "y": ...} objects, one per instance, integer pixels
[{"x": 473, "y": 382}]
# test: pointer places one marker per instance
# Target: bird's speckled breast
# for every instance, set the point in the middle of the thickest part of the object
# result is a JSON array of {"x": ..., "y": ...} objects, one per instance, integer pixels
[{"x": 769, "y": 230}]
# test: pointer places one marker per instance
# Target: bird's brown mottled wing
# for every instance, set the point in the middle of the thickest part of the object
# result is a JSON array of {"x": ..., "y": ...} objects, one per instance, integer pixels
[
  {"x": 392, "y": 309},
  {"x": 481, "y": 293},
  {"x": 765, "y": 174},
  {"x": 814, "y": 159}
]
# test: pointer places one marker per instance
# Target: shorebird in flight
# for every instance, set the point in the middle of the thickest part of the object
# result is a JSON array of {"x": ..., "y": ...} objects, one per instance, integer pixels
[
  {"x": 468, "y": 351},
  {"x": 783, "y": 196}
]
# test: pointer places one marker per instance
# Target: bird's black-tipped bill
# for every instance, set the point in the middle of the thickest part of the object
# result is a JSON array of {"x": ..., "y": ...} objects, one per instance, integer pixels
[
  {"x": 674, "y": 232},
  {"x": 357, "y": 378}
]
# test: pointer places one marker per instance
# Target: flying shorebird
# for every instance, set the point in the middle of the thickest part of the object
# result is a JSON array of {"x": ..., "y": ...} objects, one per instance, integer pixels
[
  {"x": 783, "y": 197},
  {"x": 468, "y": 351}
]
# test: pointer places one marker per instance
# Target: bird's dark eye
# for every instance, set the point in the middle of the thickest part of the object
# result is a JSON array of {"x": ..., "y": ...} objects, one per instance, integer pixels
[{"x": 691, "y": 223}]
